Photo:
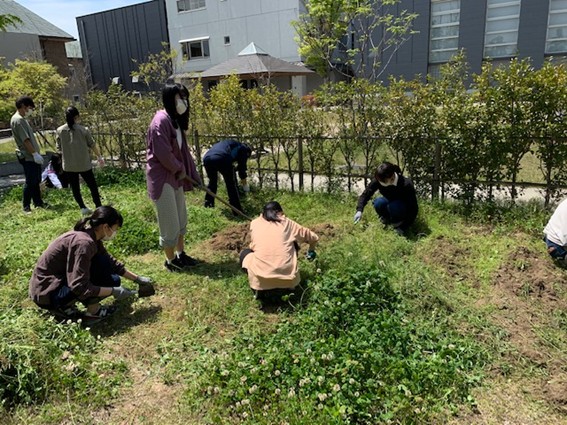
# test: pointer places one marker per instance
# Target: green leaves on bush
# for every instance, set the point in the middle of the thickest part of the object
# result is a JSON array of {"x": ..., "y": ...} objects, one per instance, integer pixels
[
  {"x": 350, "y": 356},
  {"x": 40, "y": 358}
]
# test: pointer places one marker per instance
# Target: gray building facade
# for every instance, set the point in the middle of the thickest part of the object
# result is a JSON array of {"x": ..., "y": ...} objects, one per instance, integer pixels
[
  {"x": 495, "y": 30},
  {"x": 110, "y": 40}
]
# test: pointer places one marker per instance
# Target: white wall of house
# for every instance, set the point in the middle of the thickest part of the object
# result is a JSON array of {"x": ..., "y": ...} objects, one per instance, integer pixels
[{"x": 264, "y": 22}]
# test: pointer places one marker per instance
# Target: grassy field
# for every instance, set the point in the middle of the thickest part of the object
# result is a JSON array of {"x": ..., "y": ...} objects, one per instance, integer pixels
[{"x": 463, "y": 322}]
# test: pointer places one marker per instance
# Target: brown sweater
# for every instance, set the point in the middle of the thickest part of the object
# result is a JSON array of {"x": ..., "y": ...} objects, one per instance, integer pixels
[
  {"x": 273, "y": 264},
  {"x": 67, "y": 261}
]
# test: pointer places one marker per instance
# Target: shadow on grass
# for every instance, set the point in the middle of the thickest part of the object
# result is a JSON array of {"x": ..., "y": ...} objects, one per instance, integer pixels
[
  {"x": 418, "y": 230},
  {"x": 123, "y": 319}
]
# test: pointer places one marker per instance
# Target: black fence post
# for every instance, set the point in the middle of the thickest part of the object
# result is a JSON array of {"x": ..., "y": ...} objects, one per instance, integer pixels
[
  {"x": 436, "y": 171},
  {"x": 198, "y": 152},
  {"x": 300, "y": 162}
]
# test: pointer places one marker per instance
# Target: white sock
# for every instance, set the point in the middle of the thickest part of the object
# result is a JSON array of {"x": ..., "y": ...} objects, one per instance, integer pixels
[{"x": 178, "y": 253}]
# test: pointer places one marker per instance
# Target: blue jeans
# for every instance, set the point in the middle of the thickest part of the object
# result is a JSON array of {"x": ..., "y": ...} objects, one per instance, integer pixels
[
  {"x": 390, "y": 211},
  {"x": 555, "y": 250},
  {"x": 32, "y": 172},
  {"x": 101, "y": 275}
]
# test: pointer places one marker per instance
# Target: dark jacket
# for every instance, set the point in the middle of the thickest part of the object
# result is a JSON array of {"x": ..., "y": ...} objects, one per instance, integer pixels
[
  {"x": 403, "y": 191},
  {"x": 226, "y": 152},
  {"x": 67, "y": 261}
]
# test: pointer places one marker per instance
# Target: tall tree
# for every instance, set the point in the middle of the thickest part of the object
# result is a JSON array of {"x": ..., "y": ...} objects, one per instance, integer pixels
[{"x": 351, "y": 36}]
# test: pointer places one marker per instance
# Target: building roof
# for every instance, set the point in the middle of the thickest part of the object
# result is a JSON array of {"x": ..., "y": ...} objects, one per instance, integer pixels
[
  {"x": 252, "y": 62},
  {"x": 31, "y": 23}
]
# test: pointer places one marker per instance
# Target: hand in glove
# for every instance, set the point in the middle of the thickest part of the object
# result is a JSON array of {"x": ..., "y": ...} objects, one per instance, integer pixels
[
  {"x": 143, "y": 280},
  {"x": 121, "y": 293},
  {"x": 311, "y": 255},
  {"x": 357, "y": 216},
  {"x": 100, "y": 161},
  {"x": 245, "y": 186},
  {"x": 38, "y": 159}
]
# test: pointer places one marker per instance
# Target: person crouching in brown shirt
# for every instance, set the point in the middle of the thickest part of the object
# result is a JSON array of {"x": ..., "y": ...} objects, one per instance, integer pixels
[
  {"x": 271, "y": 261},
  {"x": 77, "y": 267}
]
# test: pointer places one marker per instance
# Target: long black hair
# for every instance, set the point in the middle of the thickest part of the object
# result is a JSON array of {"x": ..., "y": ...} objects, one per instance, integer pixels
[
  {"x": 168, "y": 98},
  {"x": 70, "y": 113},
  {"x": 102, "y": 215},
  {"x": 386, "y": 170},
  {"x": 272, "y": 211}
]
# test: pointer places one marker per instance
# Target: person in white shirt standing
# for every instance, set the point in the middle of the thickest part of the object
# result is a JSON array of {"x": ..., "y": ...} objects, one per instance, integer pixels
[{"x": 555, "y": 233}]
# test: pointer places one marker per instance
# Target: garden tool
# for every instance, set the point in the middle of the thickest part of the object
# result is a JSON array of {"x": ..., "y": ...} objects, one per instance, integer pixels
[{"x": 214, "y": 195}]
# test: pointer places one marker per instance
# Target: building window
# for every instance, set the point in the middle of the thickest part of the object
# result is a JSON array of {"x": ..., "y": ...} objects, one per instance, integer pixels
[
  {"x": 444, "y": 32},
  {"x": 185, "y": 5},
  {"x": 501, "y": 32},
  {"x": 556, "y": 41},
  {"x": 195, "y": 48},
  {"x": 226, "y": 39}
]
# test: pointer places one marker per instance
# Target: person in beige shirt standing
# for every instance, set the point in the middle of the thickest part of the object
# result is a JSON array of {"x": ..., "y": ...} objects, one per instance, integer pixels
[
  {"x": 74, "y": 142},
  {"x": 271, "y": 261}
]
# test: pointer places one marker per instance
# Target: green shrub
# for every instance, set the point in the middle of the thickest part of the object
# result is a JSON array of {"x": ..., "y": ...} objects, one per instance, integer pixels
[
  {"x": 350, "y": 356},
  {"x": 40, "y": 359}
]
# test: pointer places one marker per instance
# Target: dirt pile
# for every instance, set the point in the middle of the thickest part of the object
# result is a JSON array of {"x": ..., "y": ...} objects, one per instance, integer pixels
[{"x": 525, "y": 273}]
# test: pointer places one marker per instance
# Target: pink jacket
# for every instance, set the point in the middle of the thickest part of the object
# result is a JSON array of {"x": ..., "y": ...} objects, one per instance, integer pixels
[{"x": 164, "y": 158}]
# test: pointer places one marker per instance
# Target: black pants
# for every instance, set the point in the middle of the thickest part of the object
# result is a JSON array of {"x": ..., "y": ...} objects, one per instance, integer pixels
[
  {"x": 227, "y": 170},
  {"x": 101, "y": 275},
  {"x": 88, "y": 177},
  {"x": 32, "y": 172}
]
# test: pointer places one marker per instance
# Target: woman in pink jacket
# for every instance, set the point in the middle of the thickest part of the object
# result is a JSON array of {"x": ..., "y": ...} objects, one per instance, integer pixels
[
  {"x": 271, "y": 261},
  {"x": 168, "y": 163}
]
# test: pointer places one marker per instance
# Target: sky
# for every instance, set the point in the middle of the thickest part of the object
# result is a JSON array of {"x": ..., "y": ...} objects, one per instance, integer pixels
[{"x": 62, "y": 13}]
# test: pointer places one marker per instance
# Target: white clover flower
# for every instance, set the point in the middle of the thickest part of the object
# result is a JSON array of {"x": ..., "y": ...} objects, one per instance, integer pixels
[
  {"x": 291, "y": 393},
  {"x": 318, "y": 270},
  {"x": 356, "y": 394},
  {"x": 351, "y": 381},
  {"x": 262, "y": 362},
  {"x": 243, "y": 379},
  {"x": 322, "y": 396},
  {"x": 308, "y": 351},
  {"x": 245, "y": 402},
  {"x": 244, "y": 415},
  {"x": 237, "y": 404},
  {"x": 320, "y": 406},
  {"x": 336, "y": 388},
  {"x": 320, "y": 379},
  {"x": 277, "y": 391},
  {"x": 224, "y": 372},
  {"x": 295, "y": 361},
  {"x": 277, "y": 373},
  {"x": 250, "y": 346},
  {"x": 323, "y": 357},
  {"x": 216, "y": 390},
  {"x": 253, "y": 389},
  {"x": 266, "y": 407}
]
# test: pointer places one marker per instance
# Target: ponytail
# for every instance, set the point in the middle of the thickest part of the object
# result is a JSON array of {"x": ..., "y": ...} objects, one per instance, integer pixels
[{"x": 102, "y": 215}]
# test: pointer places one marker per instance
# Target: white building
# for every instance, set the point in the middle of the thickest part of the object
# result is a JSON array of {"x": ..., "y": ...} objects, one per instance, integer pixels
[{"x": 206, "y": 33}]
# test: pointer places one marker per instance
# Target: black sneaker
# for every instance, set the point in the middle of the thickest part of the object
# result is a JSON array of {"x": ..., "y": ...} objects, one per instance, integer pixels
[
  {"x": 186, "y": 260},
  {"x": 27, "y": 210},
  {"x": 175, "y": 265},
  {"x": 44, "y": 205}
]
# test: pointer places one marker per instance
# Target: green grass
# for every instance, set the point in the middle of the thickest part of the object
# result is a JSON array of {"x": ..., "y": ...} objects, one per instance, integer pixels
[{"x": 389, "y": 330}]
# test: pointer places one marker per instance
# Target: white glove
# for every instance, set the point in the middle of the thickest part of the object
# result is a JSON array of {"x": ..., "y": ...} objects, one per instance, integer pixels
[
  {"x": 38, "y": 159},
  {"x": 357, "y": 216},
  {"x": 144, "y": 280},
  {"x": 121, "y": 293},
  {"x": 100, "y": 161},
  {"x": 246, "y": 188}
]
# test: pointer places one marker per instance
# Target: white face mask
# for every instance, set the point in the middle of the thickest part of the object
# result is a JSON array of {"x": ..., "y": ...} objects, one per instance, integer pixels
[
  {"x": 181, "y": 106},
  {"x": 109, "y": 238},
  {"x": 29, "y": 113}
]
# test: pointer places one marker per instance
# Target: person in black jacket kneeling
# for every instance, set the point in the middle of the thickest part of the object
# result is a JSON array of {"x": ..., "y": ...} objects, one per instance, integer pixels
[
  {"x": 398, "y": 204},
  {"x": 219, "y": 159}
]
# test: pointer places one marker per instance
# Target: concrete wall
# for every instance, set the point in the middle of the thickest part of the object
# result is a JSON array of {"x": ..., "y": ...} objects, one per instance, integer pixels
[
  {"x": 264, "y": 22},
  {"x": 111, "y": 39}
]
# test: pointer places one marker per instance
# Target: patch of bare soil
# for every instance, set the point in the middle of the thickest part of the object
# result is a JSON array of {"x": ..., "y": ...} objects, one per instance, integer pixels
[
  {"x": 236, "y": 238},
  {"x": 525, "y": 296},
  {"x": 451, "y": 257},
  {"x": 525, "y": 273}
]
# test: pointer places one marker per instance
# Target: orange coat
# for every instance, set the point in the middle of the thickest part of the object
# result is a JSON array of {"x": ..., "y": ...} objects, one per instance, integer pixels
[{"x": 273, "y": 264}]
